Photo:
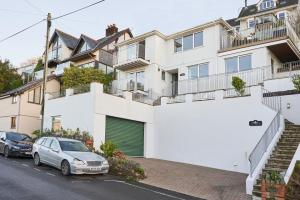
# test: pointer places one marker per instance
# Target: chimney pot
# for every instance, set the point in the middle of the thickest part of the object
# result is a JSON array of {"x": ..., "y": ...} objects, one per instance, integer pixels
[{"x": 111, "y": 29}]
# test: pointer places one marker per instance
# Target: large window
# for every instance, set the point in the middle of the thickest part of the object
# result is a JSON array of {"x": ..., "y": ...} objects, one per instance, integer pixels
[
  {"x": 84, "y": 47},
  {"x": 34, "y": 95},
  {"x": 188, "y": 42},
  {"x": 267, "y": 4},
  {"x": 55, "y": 52},
  {"x": 238, "y": 63},
  {"x": 198, "y": 71},
  {"x": 136, "y": 81},
  {"x": 251, "y": 23}
]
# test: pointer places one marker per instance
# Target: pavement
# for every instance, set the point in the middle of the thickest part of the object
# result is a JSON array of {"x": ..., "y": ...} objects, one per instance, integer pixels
[
  {"x": 20, "y": 179},
  {"x": 201, "y": 182}
]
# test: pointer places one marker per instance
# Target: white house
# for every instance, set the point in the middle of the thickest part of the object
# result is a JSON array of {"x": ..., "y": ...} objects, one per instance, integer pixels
[{"x": 174, "y": 100}]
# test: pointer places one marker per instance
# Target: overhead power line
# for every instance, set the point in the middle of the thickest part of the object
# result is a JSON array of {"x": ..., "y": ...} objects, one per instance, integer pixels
[
  {"x": 78, "y": 10},
  {"x": 21, "y": 31},
  {"x": 34, "y": 6}
]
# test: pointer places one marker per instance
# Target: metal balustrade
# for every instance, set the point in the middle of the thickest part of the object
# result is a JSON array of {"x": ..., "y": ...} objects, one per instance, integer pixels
[
  {"x": 176, "y": 99},
  {"x": 252, "y": 77},
  {"x": 263, "y": 144},
  {"x": 264, "y": 32},
  {"x": 230, "y": 93},
  {"x": 150, "y": 98},
  {"x": 204, "y": 96},
  {"x": 56, "y": 95},
  {"x": 270, "y": 100},
  {"x": 81, "y": 89}
]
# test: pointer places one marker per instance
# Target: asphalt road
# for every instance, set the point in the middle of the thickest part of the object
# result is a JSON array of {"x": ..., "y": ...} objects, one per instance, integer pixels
[{"x": 21, "y": 180}]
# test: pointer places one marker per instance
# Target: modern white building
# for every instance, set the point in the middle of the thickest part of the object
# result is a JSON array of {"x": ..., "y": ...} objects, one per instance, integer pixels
[{"x": 174, "y": 100}]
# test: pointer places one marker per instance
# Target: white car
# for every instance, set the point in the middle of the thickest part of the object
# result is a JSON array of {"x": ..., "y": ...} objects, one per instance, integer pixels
[{"x": 68, "y": 155}]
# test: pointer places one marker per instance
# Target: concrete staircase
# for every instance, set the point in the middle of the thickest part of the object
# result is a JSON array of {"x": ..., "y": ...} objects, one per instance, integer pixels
[{"x": 282, "y": 155}]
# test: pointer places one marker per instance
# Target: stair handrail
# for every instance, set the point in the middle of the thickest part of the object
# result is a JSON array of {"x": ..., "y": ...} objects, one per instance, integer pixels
[{"x": 262, "y": 146}]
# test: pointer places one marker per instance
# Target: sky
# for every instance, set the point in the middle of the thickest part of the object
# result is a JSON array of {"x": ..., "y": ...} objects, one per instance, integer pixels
[{"x": 166, "y": 16}]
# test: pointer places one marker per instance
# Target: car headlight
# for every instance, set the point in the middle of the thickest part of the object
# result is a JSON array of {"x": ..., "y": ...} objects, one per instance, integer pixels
[
  {"x": 15, "y": 147},
  {"x": 105, "y": 162},
  {"x": 78, "y": 162}
]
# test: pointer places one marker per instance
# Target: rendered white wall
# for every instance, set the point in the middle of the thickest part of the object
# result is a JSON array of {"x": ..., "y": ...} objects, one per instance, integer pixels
[
  {"x": 276, "y": 85},
  {"x": 210, "y": 133},
  {"x": 290, "y": 105},
  {"x": 290, "y": 170}
]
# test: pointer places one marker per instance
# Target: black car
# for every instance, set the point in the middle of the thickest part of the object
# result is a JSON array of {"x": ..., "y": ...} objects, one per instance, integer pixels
[{"x": 15, "y": 144}]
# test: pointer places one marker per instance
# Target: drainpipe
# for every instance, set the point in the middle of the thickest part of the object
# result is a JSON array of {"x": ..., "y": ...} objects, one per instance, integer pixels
[{"x": 19, "y": 113}]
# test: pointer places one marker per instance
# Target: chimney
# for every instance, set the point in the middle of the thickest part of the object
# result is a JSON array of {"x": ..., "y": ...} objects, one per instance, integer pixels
[
  {"x": 111, "y": 29},
  {"x": 246, "y": 3}
]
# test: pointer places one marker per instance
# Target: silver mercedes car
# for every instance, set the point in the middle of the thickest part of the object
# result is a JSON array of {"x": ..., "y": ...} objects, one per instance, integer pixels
[{"x": 68, "y": 155}]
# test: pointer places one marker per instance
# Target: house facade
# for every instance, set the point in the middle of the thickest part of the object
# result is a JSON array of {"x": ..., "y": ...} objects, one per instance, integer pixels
[
  {"x": 173, "y": 97},
  {"x": 21, "y": 107}
]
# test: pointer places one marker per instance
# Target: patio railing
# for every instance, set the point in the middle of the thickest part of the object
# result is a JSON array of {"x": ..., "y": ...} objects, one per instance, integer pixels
[
  {"x": 271, "y": 100},
  {"x": 56, "y": 95},
  {"x": 260, "y": 33},
  {"x": 230, "y": 93},
  {"x": 290, "y": 68},
  {"x": 81, "y": 89}
]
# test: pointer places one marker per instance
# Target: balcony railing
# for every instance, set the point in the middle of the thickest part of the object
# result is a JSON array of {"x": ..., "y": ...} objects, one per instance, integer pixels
[
  {"x": 261, "y": 33},
  {"x": 130, "y": 85},
  {"x": 289, "y": 67},
  {"x": 252, "y": 77},
  {"x": 132, "y": 56}
]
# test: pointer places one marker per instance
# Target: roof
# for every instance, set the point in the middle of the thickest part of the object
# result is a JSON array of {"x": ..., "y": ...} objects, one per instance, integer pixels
[
  {"x": 69, "y": 40},
  {"x": 252, "y": 9},
  {"x": 25, "y": 87},
  {"x": 233, "y": 22},
  {"x": 97, "y": 44}
]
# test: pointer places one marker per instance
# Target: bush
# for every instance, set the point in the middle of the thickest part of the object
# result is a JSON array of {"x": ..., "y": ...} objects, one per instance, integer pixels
[
  {"x": 239, "y": 85},
  {"x": 128, "y": 169},
  {"x": 293, "y": 187},
  {"x": 108, "y": 148},
  {"x": 296, "y": 81}
]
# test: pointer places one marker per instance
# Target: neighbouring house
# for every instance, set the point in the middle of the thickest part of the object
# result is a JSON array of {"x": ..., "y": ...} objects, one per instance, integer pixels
[
  {"x": 21, "y": 107},
  {"x": 173, "y": 98}
]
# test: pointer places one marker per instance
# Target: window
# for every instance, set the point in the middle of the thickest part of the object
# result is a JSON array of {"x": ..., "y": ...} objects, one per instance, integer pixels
[
  {"x": 55, "y": 52},
  {"x": 178, "y": 45},
  {"x": 140, "y": 81},
  {"x": 14, "y": 99},
  {"x": 163, "y": 75},
  {"x": 238, "y": 63},
  {"x": 34, "y": 95},
  {"x": 84, "y": 47},
  {"x": 47, "y": 143},
  {"x": 251, "y": 23},
  {"x": 267, "y": 4},
  {"x": 54, "y": 145},
  {"x": 56, "y": 123},
  {"x": 13, "y": 122},
  {"x": 131, "y": 52},
  {"x": 105, "y": 68},
  {"x": 188, "y": 42},
  {"x": 281, "y": 15},
  {"x": 198, "y": 71},
  {"x": 198, "y": 39},
  {"x": 136, "y": 81},
  {"x": 40, "y": 141}
]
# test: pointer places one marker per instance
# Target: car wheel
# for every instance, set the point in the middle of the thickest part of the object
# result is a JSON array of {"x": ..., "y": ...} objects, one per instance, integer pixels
[
  {"x": 36, "y": 159},
  {"x": 65, "y": 168},
  {"x": 6, "y": 152}
]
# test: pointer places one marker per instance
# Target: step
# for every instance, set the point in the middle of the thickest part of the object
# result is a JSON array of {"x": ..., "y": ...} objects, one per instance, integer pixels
[
  {"x": 296, "y": 141},
  {"x": 279, "y": 160},
  {"x": 269, "y": 169},
  {"x": 256, "y": 193},
  {"x": 287, "y": 144},
  {"x": 281, "y": 156},
  {"x": 296, "y": 136}
]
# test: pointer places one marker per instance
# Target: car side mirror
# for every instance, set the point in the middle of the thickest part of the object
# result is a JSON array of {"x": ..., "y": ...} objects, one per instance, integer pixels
[{"x": 55, "y": 150}]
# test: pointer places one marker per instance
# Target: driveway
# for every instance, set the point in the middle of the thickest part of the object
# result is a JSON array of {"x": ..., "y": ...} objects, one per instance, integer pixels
[
  {"x": 19, "y": 179},
  {"x": 202, "y": 182}
]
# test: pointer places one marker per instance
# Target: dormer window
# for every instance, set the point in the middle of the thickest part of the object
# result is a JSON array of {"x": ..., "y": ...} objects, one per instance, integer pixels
[
  {"x": 267, "y": 4},
  {"x": 84, "y": 47},
  {"x": 56, "y": 49}
]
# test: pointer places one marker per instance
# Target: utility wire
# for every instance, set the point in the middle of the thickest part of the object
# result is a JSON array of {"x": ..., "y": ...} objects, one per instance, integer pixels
[
  {"x": 34, "y": 7},
  {"x": 19, "y": 12},
  {"x": 55, "y": 18},
  {"x": 21, "y": 31}
]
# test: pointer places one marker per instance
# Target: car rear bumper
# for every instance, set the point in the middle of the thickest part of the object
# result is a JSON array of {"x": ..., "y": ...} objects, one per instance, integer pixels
[{"x": 89, "y": 169}]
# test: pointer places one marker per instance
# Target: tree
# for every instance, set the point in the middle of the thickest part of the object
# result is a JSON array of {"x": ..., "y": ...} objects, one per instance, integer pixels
[
  {"x": 9, "y": 78},
  {"x": 39, "y": 66},
  {"x": 76, "y": 76},
  {"x": 296, "y": 81}
]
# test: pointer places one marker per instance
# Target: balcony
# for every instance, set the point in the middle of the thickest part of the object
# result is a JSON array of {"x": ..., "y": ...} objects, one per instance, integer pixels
[
  {"x": 61, "y": 67},
  {"x": 131, "y": 57},
  {"x": 130, "y": 85},
  {"x": 288, "y": 69},
  {"x": 262, "y": 34}
]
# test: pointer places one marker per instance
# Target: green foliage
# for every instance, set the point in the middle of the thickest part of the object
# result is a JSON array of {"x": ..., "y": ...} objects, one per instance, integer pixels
[
  {"x": 239, "y": 85},
  {"x": 108, "y": 148},
  {"x": 293, "y": 187},
  {"x": 76, "y": 76},
  {"x": 274, "y": 177},
  {"x": 9, "y": 78},
  {"x": 296, "y": 81},
  {"x": 39, "y": 66},
  {"x": 128, "y": 169}
]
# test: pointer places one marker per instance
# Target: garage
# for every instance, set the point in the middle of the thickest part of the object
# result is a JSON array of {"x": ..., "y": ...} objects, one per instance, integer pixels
[{"x": 128, "y": 135}]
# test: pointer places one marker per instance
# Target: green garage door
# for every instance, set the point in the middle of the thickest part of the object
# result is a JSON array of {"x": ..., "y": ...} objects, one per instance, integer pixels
[{"x": 126, "y": 134}]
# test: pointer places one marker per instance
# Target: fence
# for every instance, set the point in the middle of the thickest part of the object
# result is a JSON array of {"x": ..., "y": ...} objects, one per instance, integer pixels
[
  {"x": 230, "y": 93},
  {"x": 81, "y": 89},
  {"x": 176, "y": 99},
  {"x": 260, "y": 33},
  {"x": 271, "y": 100},
  {"x": 56, "y": 95},
  {"x": 252, "y": 77},
  {"x": 150, "y": 98},
  {"x": 204, "y": 96},
  {"x": 263, "y": 144}
]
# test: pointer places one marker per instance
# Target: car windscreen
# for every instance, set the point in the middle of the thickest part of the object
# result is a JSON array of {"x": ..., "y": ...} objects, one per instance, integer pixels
[
  {"x": 18, "y": 137},
  {"x": 73, "y": 146}
]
